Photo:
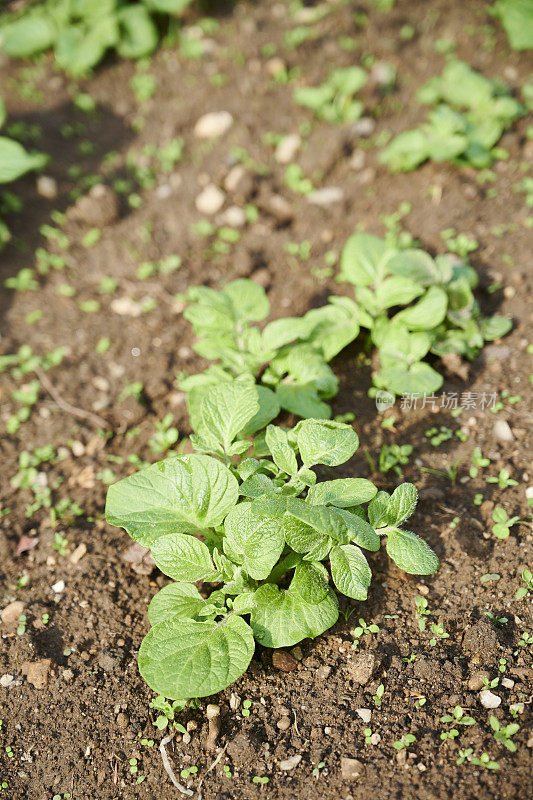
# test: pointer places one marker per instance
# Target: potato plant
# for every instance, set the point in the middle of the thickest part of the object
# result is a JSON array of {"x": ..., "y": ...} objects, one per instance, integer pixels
[
  {"x": 413, "y": 305},
  {"x": 288, "y": 356},
  {"x": 80, "y": 32},
  {"x": 247, "y": 516},
  {"x": 470, "y": 115}
]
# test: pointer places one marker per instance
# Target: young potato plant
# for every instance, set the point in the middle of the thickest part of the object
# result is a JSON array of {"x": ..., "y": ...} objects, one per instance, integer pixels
[
  {"x": 444, "y": 319},
  {"x": 471, "y": 113},
  {"x": 81, "y": 31},
  {"x": 14, "y": 162},
  {"x": 288, "y": 356},
  {"x": 334, "y": 101},
  {"x": 249, "y": 518}
]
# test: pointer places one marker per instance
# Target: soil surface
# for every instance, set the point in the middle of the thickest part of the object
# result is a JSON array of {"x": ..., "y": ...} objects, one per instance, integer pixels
[{"x": 75, "y": 711}]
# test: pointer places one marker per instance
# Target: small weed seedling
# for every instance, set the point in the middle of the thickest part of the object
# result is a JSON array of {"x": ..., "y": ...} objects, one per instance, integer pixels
[
  {"x": 378, "y": 697},
  {"x": 504, "y": 733},
  {"x": 262, "y": 516},
  {"x": 457, "y": 717},
  {"x": 169, "y": 711},
  {"x": 437, "y": 629},
  {"x": 406, "y": 741},
  {"x": 422, "y": 611},
  {"x": 483, "y": 760},
  {"x": 503, "y": 479},
  {"x": 503, "y": 523},
  {"x": 334, "y": 101},
  {"x": 522, "y": 591}
]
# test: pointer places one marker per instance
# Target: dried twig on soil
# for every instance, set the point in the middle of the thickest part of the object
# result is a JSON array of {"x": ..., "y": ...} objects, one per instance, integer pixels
[
  {"x": 168, "y": 768},
  {"x": 64, "y": 405},
  {"x": 208, "y": 770}
]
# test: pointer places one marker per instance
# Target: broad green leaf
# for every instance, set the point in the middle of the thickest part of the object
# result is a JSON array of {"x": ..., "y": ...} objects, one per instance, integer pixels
[
  {"x": 326, "y": 442},
  {"x": 350, "y": 571},
  {"x": 227, "y": 410},
  {"x": 429, "y": 312},
  {"x": 517, "y": 20},
  {"x": 282, "y": 331},
  {"x": 494, "y": 327},
  {"x": 396, "y": 291},
  {"x": 176, "y": 599},
  {"x": 361, "y": 259},
  {"x": 186, "y": 658},
  {"x": 256, "y": 542},
  {"x": 15, "y": 160},
  {"x": 248, "y": 299},
  {"x": 411, "y": 553},
  {"x": 342, "y": 492},
  {"x": 303, "y": 538},
  {"x": 257, "y": 485},
  {"x": 402, "y": 504},
  {"x": 280, "y": 449},
  {"x": 138, "y": 34},
  {"x": 417, "y": 265},
  {"x": 282, "y": 619},
  {"x": 269, "y": 409},
  {"x": 310, "y": 582},
  {"x": 359, "y": 530},
  {"x": 29, "y": 34},
  {"x": 182, "y": 493},
  {"x": 183, "y": 558},
  {"x": 168, "y": 6},
  {"x": 333, "y": 326},
  {"x": 80, "y": 47},
  {"x": 377, "y": 510},
  {"x": 243, "y": 603},
  {"x": 406, "y": 151},
  {"x": 302, "y": 401},
  {"x": 326, "y": 520},
  {"x": 419, "y": 378}
]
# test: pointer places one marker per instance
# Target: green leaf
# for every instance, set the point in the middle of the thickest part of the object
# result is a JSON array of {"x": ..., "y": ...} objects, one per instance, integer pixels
[
  {"x": 517, "y": 20},
  {"x": 168, "y": 6},
  {"x": 350, "y": 571},
  {"x": 181, "y": 493},
  {"x": 377, "y": 510},
  {"x": 361, "y": 259},
  {"x": 226, "y": 411},
  {"x": 326, "y": 442},
  {"x": 282, "y": 619},
  {"x": 419, "y": 378},
  {"x": 303, "y": 538},
  {"x": 402, "y": 504},
  {"x": 359, "y": 531},
  {"x": 29, "y": 34},
  {"x": 302, "y": 401},
  {"x": 269, "y": 409},
  {"x": 396, "y": 291},
  {"x": 256, "y": 485},
  {"x": 176, "y": 599},
  {"x": 417, "y": 265},
  {"x": 249, "y": 300},
  {"x": 15, "y": 161},
  {"x": 429, "y": 312},
  {"x": 280, "y": 449},
  {"x": 342, "y": 492},
  {"x": 495, "y": 327},
  {"x": 406, "y": 151},
  {"x": 256, "y": 542},
  {"x": 186, "y": 658},
  {"x": 80, "y": 47},
  {"x": 310, "y": 582},
  {"x": 183, "y": 558},
  {"x": 138, "y": 34},
  {"x": 411, "y": 553}
]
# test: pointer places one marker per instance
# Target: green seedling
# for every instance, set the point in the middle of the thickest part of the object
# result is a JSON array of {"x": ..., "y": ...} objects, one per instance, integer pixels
[
  {"x": 168, "y": 713},
  {"x": 516, "y": 17},
  {"x": 262, "y": 517},
  {"x": 437, "y": 629},
  {"x": 394, "y": 456},
  {"x": 482, "y": 761},
  {"x": 504, "y": 523},
  {"x": 470, "y": 115},
  {"x": 503, "y": 479},
  {"x": 478, "y": 462},
  {"x": 406, "y": 741},
  {"x": 361, "y": 630},
  {"x": 422, "y": 611},
  {"x": 60, "y": 544},
  {"x": 523, "y": 591},
  {"x": 334, "y": 101},
  {"x": 165, "y": 435},
  {"x": 378, "y": 697},
  {"x": 504, "y": 733},
  {"x": 457, "y": 717}
]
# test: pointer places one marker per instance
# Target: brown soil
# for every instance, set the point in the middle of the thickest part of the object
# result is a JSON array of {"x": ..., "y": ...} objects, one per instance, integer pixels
[{"x": 78, "y": 732}]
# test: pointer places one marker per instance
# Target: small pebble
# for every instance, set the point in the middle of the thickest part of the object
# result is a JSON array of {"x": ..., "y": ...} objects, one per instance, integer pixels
[
  {"x": 290, "y": 763},
  {"x": 507, "y": 683},
  {"x": 489, "y": 700},
  {"x": 6, "y": 680},
  {"x": 364, "y": 713},
  {"x": 215, "y": 123},
  {"x": 288, "y": 147},
  {"x": 283, "y": 661},
  {"x": 326, "y": 196},
  {"x": 476, "y": 681},
  {"x": 283, "y": 724},
  {"x": 77, "y": 555},
  {"x": 58, "y": 587},
  {"x": 502, "y": 431},
  {"x": 210, "y": 200},
  {"x": 122, "y": 720},
  {"x": 47, "y": 187}
]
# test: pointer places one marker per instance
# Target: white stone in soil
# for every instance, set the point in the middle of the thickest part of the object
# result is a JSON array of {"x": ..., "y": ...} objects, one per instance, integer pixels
[
  {"x": 288, "y": 147},
  {"x": 489, "y": 699},
  {"x": 212, "y": 124},
  {"x": 210, "y": 200}
]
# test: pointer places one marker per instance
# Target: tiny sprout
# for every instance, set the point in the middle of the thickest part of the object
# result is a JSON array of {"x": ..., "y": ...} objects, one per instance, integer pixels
[
  {"x": 405, "y": 742},
  {"x": 522, "y": 591},
  {"x": 319, "y": 767},
  {"x": 437, "y": 629},
  {"x": 504, "y": 733},
  {"x": 246, "y": 708},
  {"x": 421, "y": 611},
  {"x": 378, "y": 697},
  {"x": 363, "y": 629},
  {"x": 260, "y": 779}
]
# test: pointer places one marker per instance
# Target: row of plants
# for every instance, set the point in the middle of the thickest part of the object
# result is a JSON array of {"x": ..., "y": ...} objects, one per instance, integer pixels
[{"x": 248, "y": 514}]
